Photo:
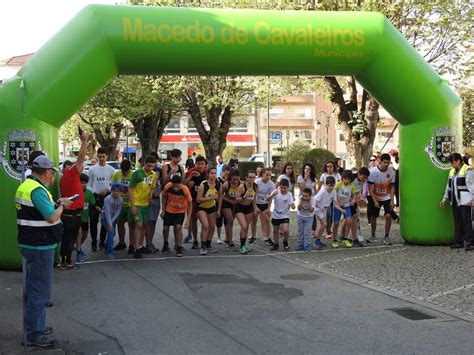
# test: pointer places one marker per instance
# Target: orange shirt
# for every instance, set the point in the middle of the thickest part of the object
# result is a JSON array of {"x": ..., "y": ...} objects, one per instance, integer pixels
[{"x": 177, "y": 201}]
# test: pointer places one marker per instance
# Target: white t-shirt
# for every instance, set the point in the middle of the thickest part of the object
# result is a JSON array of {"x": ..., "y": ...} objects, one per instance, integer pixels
[
  {"x": 281, "y": 205},
  {"x": 305, "y": 211},
  {"x": 307, "y": 184},
  {"x": 100, "y": 177},
  {"x": 324, "y": 198},
  {"x": 325, "y": 175},
  {"x": 283, "y": 176},
  {"x": 264, "y": 189},
  {"x": 382, "y": 182}
]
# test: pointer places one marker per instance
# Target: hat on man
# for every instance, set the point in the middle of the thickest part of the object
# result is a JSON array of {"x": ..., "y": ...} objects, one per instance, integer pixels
[{"x": 43, "y": 162}]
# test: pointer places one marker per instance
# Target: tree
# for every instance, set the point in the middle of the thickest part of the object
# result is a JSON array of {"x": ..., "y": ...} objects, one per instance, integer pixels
[
  {"x": 467, "y": 96},
  {"x": 297, "y": 153},
  {"x": 211, "y": 102},
  {"x": 69, "y": 134}
]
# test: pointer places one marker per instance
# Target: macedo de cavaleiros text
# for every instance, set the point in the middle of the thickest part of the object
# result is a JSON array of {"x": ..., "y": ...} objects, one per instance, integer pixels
[{"x": 136, "y": 30}]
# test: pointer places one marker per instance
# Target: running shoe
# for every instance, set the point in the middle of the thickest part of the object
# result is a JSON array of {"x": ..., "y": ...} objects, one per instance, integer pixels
[
  {"x": 275, "y": 247},
  {"x": 252, "y": 240},
  {"x": 318, "y": 244},
  {"x": 80, "y": 258},
  {"x": 195, "y": 245},
  {"x": 371, "y": 239},
  {"x": 48, "y": 330},
  {"x": 94, "y": 246},
  {"x": 268, "y": 242},
  {"x": 120, "y": 246},
  {"x": 347, "y": 243},
  {"x": 328, "y": 235},
  {"x": 131, "y": 250},
  {"x": 203, "y": 251},
  {"x": 42, "y": 342},
  {"x": 211, "y": 250},
  {"x": 307, "y": 248},
  {"x": 144, "y": 250},
  {"x": 356, "y": 243},
  {"x": 137, "y": 254},
  {"x": 151, "y": 248},
  {"x": 285, "y": 246},
  {"x": 219, "y": 241},
  {"x": 231, "y": 247},
  {"x": 166, "y": 248},
  {"x": 187, "y": 239},
  {"x": 110, "y": 256},
  {"x": 387, "y": 240},
  {"x": 179, "y": 251},
  {"x": 243, "y": 249},
  {"x": 335, "y": 244}
]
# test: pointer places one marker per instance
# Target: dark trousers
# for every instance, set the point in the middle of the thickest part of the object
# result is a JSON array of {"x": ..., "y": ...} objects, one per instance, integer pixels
[
  {"x": 38, "y": 279},
  {"x": 71, "y": 224},
  {"x": 94, "y": 221},
  {"x": 462, "y": 224}
]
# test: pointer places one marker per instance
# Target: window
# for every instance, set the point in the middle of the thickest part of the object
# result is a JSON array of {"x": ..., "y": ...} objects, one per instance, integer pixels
[
  {"x": 173, "y": 126},
  {"x": 341, "y": 137},
  {"x": 303, "y": 112},
  {"x": 191, "y": 126},
  {"x": 277, "y": 112},
  {"x": 239, "y": 124}
]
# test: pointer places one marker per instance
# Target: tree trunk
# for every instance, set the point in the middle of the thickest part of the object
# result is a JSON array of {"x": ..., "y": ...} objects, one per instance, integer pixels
[
  {"x": 359, "y": 136},
  {"x": 110, "y": 139},
  {"x": 150, "y": 129}
]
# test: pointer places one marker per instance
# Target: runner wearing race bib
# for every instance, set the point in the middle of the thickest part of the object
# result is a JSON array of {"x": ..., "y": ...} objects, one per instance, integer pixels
[{"x": 265, "y": 187}]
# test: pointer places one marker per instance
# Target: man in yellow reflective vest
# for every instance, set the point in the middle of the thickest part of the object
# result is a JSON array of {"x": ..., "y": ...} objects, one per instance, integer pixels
[
  {"x": 39, "y": 230},
  {"x": 460, "y": 193}
]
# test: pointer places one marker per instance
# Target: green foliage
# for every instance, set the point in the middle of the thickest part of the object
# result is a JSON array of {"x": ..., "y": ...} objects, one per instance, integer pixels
[
  {"x": 319, "y": 157},
  {"x": 467, "y": 96},
  {"x": 245, "y": 166},
  {"x": 358, "y": 122},
  {"x": 296, "y": 154}
]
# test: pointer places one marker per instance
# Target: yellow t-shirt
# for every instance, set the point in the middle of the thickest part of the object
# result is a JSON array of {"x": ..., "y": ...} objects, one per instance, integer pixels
[{"x": 142, "y": 184}]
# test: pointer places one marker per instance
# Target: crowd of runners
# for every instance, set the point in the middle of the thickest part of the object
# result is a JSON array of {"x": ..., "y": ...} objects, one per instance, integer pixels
[{"x": 217, "y": 198}]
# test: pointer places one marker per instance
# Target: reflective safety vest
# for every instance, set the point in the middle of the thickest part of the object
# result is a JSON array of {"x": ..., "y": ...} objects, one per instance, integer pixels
[
  {"x": 33, "y": 229},
  {"x": 460, "y": 184}
]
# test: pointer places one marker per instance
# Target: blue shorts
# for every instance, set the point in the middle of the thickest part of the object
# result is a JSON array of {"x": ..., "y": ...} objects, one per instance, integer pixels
[{"x": 337, "y": 215}]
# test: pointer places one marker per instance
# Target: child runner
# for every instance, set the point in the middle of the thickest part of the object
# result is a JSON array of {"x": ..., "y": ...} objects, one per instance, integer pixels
[
  {"x": 360, "y": 183},
  {"x": 176, "y": 202},
  {"x": 329, "y": 170},
  {"x": 228, "y": 203},
  {"x": 246, "y": 207},
  {"x": 281, "y": 213},
  {"x": 89, "y": 203},
  {"x": 325, "y": 198},
  {"x": 123, "y": 177},
  {"x": 288, "y": 174},
  {"x": 140, "y": 193},
  {"x": 346, "y": 196},
  {"x": 306, "y": 208},
  {"x": 253, "y": 229},
  {"x": 207, "y": 209},
  {"x": 382, "y": 191},
  {"x": 109, "y": 215},
  {"x": 194, "y": 177},
  {"x": 265, "y": 187},
  {"x": 220, "y": 219},
  {"x": 173, "y": 167}
]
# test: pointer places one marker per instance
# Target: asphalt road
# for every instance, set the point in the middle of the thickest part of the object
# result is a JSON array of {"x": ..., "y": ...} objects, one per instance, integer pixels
[{"x": 226, "y": 304}]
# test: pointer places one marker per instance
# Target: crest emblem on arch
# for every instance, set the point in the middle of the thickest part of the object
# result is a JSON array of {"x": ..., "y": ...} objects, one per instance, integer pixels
[
  {"x": 16, "y": 151},
  {"x": 440, "y": 147}
]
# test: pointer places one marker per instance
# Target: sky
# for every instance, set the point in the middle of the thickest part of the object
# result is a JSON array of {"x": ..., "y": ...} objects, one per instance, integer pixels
[{"x": 25, "y": 25}]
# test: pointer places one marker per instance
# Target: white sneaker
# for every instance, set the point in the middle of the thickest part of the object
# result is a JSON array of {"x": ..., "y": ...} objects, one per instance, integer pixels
[
  {"x": 360, "y": 238},
  {"x": 387, "y": 240},
  {"x": 203, "y": 251},
  {"x": 219, "y": 241}
]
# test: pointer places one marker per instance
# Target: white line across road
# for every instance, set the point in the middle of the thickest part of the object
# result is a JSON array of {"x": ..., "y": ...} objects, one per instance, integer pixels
[{"x": 260, "y": 255}]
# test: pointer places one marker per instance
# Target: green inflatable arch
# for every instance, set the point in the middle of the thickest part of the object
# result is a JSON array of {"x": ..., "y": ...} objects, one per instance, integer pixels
[{"x": 102, "y": 42}]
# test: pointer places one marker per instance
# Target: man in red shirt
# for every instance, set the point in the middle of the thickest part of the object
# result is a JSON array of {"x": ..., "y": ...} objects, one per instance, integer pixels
[{"x": 69, "y": 185}]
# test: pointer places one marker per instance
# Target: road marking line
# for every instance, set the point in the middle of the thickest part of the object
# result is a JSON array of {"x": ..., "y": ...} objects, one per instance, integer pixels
[{"x": 445, "y": 293}]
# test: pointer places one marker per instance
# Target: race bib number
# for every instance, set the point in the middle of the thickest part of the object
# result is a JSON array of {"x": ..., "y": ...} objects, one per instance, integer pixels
[
  {"x": 261, "y": 199},
  {"x": 100, "y": 180},
  {"x": 148, "y": 180},
  {"x": 380, "y": 191},
  {"x": 124, "y": 182}
]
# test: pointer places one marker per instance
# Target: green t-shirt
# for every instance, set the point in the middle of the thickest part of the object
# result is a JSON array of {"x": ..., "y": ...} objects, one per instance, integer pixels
[
  {"x": 142, "y": 184},
  {"x": 123, "y": 180},
  {"x": 89, "y": 200}
]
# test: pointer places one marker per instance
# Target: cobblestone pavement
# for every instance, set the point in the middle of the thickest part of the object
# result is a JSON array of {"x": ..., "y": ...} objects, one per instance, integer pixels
[{"x": 437, "y": 276}]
